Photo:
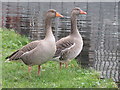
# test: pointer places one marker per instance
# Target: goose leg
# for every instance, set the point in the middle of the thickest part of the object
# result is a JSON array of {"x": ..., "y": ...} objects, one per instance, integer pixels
[
  {"x": 29, "y": 68},
  {"x": 39, "y": 67},
  {"x": 66, "y": 65},
  {"x": 60, "y": 65}
]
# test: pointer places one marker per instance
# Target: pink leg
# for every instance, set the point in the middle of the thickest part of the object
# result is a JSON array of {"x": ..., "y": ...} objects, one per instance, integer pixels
[
  {"x": 29, "y": 68},
  {"x": 39, "y": 67},
  {"x": 60, "y": 65},
  {"x": 66, "y": 65}
]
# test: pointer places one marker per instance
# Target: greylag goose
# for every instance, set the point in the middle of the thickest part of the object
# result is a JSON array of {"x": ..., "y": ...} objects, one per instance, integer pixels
[
  {"x": 39, "y": 51},
  {"x": 70, "y": 47}
]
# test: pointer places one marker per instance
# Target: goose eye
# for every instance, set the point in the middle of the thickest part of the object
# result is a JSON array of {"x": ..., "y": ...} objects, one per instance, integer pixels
[{"x": 52, "y": 11}]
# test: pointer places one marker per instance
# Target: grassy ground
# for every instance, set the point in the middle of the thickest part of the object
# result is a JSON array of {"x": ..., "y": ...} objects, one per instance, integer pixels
[
  {"x": 15, "y": 74},
  {"x": 0, "y": 59}
]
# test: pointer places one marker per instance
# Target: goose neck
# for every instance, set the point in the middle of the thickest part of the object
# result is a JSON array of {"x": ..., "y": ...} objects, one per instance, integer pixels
[
  {"x": 48, "y": 28},
  {"x": 74, "y": 24}
]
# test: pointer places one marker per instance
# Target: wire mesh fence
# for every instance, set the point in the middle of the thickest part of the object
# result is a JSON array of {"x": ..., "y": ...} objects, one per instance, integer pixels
[{"x": 100, "y": 29}]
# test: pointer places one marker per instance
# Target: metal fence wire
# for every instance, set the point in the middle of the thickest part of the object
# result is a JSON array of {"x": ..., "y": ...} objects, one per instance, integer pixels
[{"x": 100, "y": 29}]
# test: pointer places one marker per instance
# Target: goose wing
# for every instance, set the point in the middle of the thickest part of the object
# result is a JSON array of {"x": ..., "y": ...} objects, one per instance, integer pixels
[
  {"x": 63, "y": 47},
  {"x": 15, "y": 55}
]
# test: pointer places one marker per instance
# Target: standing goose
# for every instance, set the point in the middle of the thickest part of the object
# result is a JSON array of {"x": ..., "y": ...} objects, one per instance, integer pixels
[
  {"x": 39, "y": 51},
  {"x": 70, "y": 47}
]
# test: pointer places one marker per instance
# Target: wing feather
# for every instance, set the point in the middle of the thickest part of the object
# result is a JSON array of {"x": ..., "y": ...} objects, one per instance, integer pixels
[
  {"x": 16, "y": 55},
  {"x": 63, "y": 45}
]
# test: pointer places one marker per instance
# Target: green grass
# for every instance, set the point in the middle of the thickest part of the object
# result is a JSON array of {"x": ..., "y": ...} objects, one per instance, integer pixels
[
  {"x": 15, "y": 74},
  {"x": 0, "y": 59}
]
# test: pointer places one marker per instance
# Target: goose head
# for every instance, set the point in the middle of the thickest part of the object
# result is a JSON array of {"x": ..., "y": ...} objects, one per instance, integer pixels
[
  {"x": 78, "y": 11},
  {"x": 53, "y": 13}
]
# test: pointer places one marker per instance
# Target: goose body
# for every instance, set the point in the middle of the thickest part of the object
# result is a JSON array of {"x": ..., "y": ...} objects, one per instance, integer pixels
[
  {"x": 39, "y": 51},
  {"x": 70, "y": 47},
  {"x": 38, "y": 55}
]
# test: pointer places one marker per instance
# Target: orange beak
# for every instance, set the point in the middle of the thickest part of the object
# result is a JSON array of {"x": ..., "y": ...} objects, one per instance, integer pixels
[
  {"x": 59, "y": 15},
  {"x": 82, "y": 12}
]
